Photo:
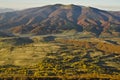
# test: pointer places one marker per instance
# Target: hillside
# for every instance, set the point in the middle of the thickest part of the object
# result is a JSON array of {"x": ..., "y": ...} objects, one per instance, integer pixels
[
  {"x": 3, "y": 34},
  {"x": 59, "y": 18}
]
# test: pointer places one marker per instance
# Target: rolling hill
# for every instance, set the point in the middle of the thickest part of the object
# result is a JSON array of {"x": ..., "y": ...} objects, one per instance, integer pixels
[{"x": 59, "y": 18}]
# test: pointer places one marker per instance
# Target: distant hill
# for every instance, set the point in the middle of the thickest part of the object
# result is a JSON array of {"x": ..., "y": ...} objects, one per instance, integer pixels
[
  {"x": 117, "y": 13},
  {"x": 59, "y": 18},
  {"x": 3, "y": 34},
  {"x": 3, "y": 10}
]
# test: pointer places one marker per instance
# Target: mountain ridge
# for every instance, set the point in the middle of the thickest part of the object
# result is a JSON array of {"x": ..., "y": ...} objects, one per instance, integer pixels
[{"x": 58, "y": 18}]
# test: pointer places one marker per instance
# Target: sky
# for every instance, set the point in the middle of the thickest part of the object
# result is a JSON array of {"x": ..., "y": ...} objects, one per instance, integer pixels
[{"x": 113, "y": 5}]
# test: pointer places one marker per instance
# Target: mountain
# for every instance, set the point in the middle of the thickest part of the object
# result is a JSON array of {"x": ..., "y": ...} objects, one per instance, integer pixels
[
  {"x": 3, "y": 10},
  {"x": 59, "y": 18}
]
